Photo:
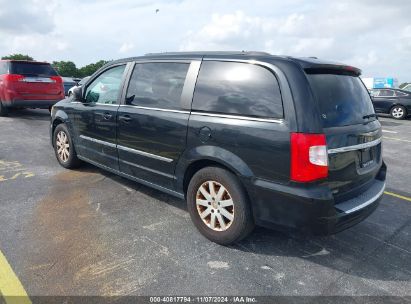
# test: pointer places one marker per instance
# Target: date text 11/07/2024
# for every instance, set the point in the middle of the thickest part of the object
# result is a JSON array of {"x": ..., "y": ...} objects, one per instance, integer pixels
[{"x": 203, "y": 299}]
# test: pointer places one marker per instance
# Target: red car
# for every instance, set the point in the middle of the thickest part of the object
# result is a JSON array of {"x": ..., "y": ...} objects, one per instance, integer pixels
[{"x": 28, "y": 84}]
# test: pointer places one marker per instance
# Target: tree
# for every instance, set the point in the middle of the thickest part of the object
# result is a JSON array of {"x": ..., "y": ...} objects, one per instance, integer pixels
[
  {"x": 91, "y": 68},
  {"x": 66, "y": 68},
  {"x": 18, "y": 57}
]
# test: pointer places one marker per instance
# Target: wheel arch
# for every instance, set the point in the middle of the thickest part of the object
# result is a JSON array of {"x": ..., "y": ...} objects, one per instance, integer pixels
[
  {"x": 59, "y": 118},
  {"x": 206, "y": 156}
]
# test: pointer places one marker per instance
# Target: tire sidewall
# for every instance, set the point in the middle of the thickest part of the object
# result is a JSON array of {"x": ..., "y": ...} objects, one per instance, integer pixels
[
  {"x": 72, "y": 153},
  {"x": 242, "y": 214},
  {"x": 399, "y": 107},
  {"x": 3, "y": 110}
]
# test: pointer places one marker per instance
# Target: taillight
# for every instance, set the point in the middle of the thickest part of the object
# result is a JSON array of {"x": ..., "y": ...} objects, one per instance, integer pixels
[
  {"x": 309, "y": 157},
  {"x": 57, "y": 79},
  {"x": 13, "y": 77}
]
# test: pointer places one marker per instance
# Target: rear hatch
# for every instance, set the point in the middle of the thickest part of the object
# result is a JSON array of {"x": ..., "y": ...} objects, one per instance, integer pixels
[
  {"x": 353, "y": 132},
  {"x": 36, "y": 80}
]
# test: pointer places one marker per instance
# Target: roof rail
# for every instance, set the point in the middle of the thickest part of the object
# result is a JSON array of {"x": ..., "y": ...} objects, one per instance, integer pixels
[{"x": 209, "y": 53}]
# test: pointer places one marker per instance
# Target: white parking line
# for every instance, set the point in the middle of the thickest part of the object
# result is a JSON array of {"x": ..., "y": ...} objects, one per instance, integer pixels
[
  {"x": 388, "y": 131},
  {"x": 399, "y": 139}
]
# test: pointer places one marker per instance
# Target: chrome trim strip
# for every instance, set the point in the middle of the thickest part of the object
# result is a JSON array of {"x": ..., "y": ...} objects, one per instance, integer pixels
[
  {"x": 169, "y": 160},
  {"x": 156, "y": 109},
  {"x": 280, "y": 121},
  {"x": 355, "y": 147},
  {"x": 107, "y": 104},
  {"x": 96, "y": 104},
  {"x": 370, "y": 201},
  {"x": 98, "y": 141},
  {"x": 147, "y": 169}
]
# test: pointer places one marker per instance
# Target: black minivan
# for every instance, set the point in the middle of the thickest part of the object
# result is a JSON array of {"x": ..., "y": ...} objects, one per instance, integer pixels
[{"x": 245, "y": 137}]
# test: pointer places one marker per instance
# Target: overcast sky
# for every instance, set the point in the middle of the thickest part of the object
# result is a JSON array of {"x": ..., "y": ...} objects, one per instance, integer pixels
[{"x": 373, "y": 35}]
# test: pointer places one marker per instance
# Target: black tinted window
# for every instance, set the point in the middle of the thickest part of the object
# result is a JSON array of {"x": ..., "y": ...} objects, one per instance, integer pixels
[
  {"x": 342, "y": 99},
  {"x": 157, "y": 85},
  {"x": 386, "y": 93},
  {"x": 28, "y": 68},
  {"x": 398, "y": 93},
  {"x": 237, "y": 88}
]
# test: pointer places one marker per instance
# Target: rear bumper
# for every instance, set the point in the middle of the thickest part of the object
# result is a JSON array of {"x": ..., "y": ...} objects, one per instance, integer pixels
[
  {"x": 311, "y": 209},
  {"x": 21, "y": 103},
  {"x": 353, "y": 211}
]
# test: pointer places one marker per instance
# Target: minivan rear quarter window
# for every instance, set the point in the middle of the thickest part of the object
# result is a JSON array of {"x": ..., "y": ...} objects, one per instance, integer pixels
[
  {"x": 35, "y": 69},
  {"x": 342, "y": 99},
  {"x": 237, "y": 88}
]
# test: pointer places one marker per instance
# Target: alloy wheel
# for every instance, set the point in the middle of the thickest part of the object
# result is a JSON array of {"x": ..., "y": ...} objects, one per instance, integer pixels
[
  {"x": 397, "y": 112},
  {"x": 63, "y": 146},
  {"x": 215, "y": 206}
]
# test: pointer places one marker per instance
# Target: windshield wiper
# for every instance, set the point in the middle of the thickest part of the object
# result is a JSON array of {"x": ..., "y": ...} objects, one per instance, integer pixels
[{"x": 369, "y": 116}]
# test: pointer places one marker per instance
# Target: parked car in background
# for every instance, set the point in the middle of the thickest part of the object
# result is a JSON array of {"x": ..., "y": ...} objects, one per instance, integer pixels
[
  {"x": 79, "y": 84},
  {"x": 245, "y": 137},
  {"x": 68, "y": 83},
  {"x": 395, "y": 102},
  {"x": 28, "y": 84}
]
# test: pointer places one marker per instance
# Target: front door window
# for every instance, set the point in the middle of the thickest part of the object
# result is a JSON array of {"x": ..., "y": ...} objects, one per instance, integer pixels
[{"x": 105, "y": 88}]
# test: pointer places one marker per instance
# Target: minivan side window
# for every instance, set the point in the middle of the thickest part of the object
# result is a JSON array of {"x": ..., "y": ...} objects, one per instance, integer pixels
[
  {"x": 157, "y": 85},
  {"x": 106, "y": 87},
  {"x": 237, "y": 88}
]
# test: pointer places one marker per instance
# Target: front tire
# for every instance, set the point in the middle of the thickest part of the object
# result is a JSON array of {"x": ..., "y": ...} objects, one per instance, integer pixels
[
  {"x": 219, "y": 206},
  {"x": 398, "y": 112},
  {"x": 64, "y": 148}
]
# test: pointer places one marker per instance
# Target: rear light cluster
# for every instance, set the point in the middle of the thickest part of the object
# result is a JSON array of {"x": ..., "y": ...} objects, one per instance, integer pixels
[
  {"x": 13, "y": 77},
  {"x": 56, "y": 79},
  {"x": 309, "y": 157}
]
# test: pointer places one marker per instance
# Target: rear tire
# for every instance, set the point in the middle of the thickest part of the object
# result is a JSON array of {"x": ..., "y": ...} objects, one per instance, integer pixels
[
  {"x": 398, "y": 112},
  {"x": 219, "y": 206},
  {"x": 64, "y": 148},
  {"x": 3, "y": 110}
]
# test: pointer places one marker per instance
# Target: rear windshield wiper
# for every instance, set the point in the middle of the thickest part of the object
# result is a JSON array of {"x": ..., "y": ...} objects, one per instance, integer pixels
[{"x": 369, "y": 116}]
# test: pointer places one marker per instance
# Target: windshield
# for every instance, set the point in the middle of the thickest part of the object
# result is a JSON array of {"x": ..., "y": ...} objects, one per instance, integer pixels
[
  {"x": 343, "y": 100},
  {"x": 36, "y": 69}
]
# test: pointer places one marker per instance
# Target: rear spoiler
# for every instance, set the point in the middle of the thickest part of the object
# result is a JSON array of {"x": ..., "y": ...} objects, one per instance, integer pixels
[{"x": 333, "y": 69}]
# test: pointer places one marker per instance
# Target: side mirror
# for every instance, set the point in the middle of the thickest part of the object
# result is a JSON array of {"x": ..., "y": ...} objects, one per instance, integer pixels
[{"x": 78, "y": 94}]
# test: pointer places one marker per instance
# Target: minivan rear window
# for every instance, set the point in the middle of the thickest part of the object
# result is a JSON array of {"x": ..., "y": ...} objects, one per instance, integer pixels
[
  {"x": 35, "y": 69},
  {"x": 238, "y": 89},
  {"x": 342, "y": 99}
]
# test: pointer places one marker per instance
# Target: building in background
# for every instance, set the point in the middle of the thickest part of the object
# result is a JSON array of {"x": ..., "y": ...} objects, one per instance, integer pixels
[{"x": 380, "y": 82}]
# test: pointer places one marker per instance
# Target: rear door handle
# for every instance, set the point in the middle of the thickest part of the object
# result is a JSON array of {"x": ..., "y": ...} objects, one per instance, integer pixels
[
  {"x": 125, "y": 118},
  {"x": 107, "y": 116}
]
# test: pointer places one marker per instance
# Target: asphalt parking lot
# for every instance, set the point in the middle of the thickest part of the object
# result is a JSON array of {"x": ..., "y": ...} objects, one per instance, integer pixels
[{"x": 88, "y": 232}]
